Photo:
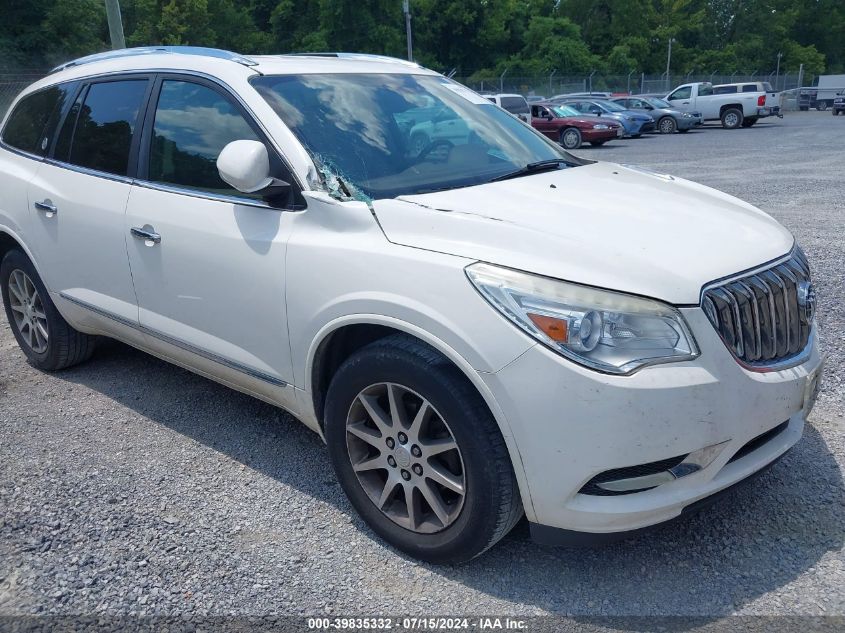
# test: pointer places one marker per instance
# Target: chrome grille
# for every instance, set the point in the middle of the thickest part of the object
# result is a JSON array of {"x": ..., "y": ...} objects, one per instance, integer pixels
[{"x": 764, "y": 317}]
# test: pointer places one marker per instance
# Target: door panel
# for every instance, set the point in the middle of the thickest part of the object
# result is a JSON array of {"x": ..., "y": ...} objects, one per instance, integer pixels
[
  {"x": 215, "y": 283},
  {"x": 81, "y": 247}
]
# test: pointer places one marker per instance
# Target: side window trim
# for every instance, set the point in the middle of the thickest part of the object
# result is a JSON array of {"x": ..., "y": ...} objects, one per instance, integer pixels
[
  {"x": 80, "y": 93},
  {"x": 145, "y": 139}
]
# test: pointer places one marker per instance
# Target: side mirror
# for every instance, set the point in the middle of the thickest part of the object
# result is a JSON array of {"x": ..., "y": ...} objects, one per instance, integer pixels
[
  {"x": 550, "y": 117},
  {"x": 245, "y": 165}
]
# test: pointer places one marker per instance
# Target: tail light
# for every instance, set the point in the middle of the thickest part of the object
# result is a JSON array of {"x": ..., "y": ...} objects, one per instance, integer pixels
[{"x": 761, "y": 101}]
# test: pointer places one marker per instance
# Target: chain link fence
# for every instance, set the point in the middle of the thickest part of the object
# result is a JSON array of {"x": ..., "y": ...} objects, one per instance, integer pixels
[
  {"x": 632, "y": 83},
  {"x": 12, "y": 82}
]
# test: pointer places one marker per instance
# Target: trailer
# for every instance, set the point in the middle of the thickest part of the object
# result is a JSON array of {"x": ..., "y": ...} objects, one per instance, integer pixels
[{"x": 828, "y": 88}]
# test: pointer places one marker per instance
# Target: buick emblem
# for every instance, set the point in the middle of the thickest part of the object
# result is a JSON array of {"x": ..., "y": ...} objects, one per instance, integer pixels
[{"x": 807, "y": 299}]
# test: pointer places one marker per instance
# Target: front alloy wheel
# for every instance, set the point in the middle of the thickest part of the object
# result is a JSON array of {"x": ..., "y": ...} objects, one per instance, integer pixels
[
  {"x": 405, "y": 458},
  {"x": 418, "y": 452},
  {"x": 28, "y": 311}
]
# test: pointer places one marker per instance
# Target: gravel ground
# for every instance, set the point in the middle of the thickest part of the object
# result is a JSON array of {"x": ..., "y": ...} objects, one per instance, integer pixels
[{"x": 129, "y": 486}]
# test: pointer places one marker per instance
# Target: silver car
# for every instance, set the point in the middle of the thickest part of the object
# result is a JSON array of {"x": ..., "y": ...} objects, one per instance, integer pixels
[{"x": 667, "y": 120}]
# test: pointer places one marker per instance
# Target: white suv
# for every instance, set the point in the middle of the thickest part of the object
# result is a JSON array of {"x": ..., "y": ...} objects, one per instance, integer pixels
[{"x": 480, "y": 327}]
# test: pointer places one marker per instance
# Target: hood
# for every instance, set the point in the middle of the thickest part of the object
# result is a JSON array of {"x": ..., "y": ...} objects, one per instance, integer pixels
[
  {"x": 633, "y": 114},
  {"x": 601, "y": 224}
]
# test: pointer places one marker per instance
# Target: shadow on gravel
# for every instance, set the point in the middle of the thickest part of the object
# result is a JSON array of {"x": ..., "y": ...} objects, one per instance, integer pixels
[{"x": 712, "y": 564}]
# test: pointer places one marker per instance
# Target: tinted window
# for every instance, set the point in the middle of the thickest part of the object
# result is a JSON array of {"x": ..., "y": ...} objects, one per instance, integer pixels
[
  {"x": 105, "y": 125},
  {"x": 705, "y": 90},
  {"x": 30, "y": 125},
  {"x": 193, "y": 123},
  {"x": 724, "y": 90},
  {"x": 750, "y": 88},
  {"x": 515, "y": 105}
]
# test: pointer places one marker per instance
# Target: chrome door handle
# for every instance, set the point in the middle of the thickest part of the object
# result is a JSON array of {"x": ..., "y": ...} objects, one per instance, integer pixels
[
  {"x": 146, "y": 235},
  {"x": 48, "y": 207}
]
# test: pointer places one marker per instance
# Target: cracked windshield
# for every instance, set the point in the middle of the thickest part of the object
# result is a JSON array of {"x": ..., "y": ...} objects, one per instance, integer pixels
[{"x": 389, "y": 135}]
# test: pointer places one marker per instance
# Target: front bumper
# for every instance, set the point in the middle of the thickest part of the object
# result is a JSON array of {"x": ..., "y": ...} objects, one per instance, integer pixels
[
  {"x": 590, "y": 135},
  {"x": 688, "y": 123},
  {"x": 641, "y": 127},
  {"x": 571, "y": 424}
]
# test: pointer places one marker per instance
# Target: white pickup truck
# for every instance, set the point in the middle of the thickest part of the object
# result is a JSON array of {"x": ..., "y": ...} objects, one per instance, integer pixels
[{"x": 738, "y": 109}]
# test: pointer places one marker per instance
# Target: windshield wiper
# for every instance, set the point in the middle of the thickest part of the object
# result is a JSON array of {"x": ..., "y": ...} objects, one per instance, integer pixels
[{"x": 533, "y": 168}]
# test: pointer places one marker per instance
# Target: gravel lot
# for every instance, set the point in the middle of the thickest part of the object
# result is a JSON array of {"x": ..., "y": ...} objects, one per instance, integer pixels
[{"x": 130, "y": 486}]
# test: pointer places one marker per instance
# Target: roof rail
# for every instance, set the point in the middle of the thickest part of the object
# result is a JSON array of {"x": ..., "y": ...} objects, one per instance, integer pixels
[
  {"x": 362, "y": 56},
  {"x": 151, "y": 50}
]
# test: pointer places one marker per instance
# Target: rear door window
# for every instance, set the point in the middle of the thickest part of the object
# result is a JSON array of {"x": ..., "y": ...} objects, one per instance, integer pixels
[
  {"x": 31, "y": 124},
  {"x": 101, "y": 130}
]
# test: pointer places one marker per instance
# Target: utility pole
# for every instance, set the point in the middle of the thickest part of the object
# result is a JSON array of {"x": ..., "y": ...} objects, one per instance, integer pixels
[
  {"x": 777, "y": 72},
  {"x": 550, "y": 82},
  {"x": 406, "y": 7},
  {"x": 115, "y": 24},
  {"x": 669, "y": 62}
]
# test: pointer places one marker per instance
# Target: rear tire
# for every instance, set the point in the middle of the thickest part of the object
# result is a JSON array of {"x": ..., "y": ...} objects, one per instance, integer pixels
[
  {"x": 46, "y": 339},
  {"x": 732, "y": 118},
  {"x": 414, "y": 375},
  {"x": 667, "y": 125},
  {"x": 821, "y": 106},
  {"x": 570, "y": 138}
]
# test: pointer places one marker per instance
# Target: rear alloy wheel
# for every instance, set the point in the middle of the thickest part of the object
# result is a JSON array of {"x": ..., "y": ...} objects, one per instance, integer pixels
[
  {"x": 45, "y": 338},
  {"x": 570, "y": 138},
  {"x": 731, "y": 118},
  {"x": 667, "y": 125},
  {"x": 418, "y": 452},
  {"x": 28, "y": 311}
]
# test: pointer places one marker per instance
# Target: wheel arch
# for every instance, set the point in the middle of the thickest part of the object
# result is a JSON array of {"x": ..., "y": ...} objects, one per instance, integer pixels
[
  {"x": 729, "y": 106},
  {"x": 10, "y": 240},
  {"x": 341, "y": 338}
]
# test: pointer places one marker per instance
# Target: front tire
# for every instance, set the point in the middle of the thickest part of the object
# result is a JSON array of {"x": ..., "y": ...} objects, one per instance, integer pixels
[
  {"x": 570, "y": 138},
  {"x": 46, "y": 339},
  {"x": 732, "y": 118},
  {"x": 667, "y": 125},
  {"x": 418, "y": 452}
]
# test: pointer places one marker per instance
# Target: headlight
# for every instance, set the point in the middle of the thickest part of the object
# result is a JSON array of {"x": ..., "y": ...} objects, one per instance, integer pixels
[
  {"x": 687, "y": 115},
  {"x": 601, "y": 126},
  {"x": 604, "y": 330}
]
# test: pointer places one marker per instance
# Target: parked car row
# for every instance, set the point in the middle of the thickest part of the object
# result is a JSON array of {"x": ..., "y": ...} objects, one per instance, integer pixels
[{"x": 597, "y": 117}]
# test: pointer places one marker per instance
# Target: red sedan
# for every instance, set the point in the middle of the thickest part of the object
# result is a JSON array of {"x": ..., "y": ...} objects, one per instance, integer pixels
[{"x": 570, "y": 128}]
